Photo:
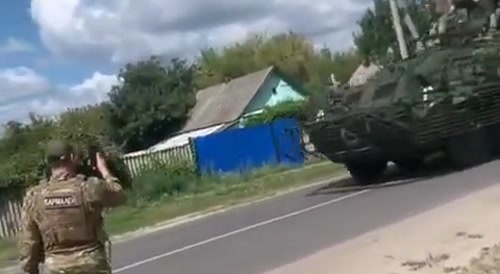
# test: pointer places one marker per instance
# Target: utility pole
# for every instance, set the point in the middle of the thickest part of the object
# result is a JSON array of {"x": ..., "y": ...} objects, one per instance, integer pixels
[{"x": 396, "y": 21}]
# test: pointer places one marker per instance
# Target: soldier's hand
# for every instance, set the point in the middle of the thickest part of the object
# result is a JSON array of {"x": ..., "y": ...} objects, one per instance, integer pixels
[{"x": 102, "y": 166}]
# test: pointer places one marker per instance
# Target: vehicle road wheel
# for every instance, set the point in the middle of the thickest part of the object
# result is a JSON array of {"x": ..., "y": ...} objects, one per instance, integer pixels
[
  {"x": 365, "y": 173},
  {"x": 468, "y": 149}
]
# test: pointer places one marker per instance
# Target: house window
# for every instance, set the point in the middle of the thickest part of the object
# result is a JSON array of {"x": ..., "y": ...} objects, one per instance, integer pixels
[{"x": 274, "y": 91}]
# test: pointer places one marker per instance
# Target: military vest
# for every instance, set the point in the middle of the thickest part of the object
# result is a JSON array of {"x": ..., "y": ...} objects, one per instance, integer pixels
[{"x": 66, "y": 221}]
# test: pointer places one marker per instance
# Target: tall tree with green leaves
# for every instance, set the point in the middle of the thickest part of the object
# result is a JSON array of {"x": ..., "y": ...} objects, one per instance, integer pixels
[
  {"x": 151, "y": 102},
  {"x": 292, "y": 53},
  {"x": 377, "y": 33},
  {"x": 89, "y": 119}
]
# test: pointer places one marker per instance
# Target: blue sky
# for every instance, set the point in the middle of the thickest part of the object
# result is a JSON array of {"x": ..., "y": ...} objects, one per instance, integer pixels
[
  {"x": 16, "y": 25},
  {"x": 56, "y": 54}
]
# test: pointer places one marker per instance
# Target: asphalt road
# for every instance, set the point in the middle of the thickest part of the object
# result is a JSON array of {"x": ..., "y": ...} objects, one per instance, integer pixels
[
  {"x": 266, "y": 235},
  {"x": 263, "y": 236}
]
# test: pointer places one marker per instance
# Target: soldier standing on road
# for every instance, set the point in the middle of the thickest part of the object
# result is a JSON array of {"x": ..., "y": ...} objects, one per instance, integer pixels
[{"x": 62, "y": 219}]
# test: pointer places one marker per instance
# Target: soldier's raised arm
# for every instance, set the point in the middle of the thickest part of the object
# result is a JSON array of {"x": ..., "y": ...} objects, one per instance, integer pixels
[
  {"x": 107, "y": 192},
  {"x": 29, "y": 239}
]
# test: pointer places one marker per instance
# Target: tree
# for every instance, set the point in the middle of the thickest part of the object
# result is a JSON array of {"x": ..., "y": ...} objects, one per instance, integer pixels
[
  {"x": 151, "y": 102},
  {"x": 21, "y": 150},
  {"x": 292, "y": 53},
  {"x": 90, "y": 120},
  {"x": 377, "y": 33}
]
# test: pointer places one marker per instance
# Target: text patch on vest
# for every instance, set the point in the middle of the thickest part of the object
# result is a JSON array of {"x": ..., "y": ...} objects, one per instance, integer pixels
[{"x": 61, "y": 201}]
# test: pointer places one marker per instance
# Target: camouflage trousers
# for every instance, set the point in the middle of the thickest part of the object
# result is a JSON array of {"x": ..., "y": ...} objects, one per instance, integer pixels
[{"x": 89, "y": 263}]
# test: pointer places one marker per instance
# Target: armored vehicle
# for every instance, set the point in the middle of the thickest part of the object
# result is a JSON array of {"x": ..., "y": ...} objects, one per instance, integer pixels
[{"x": 445, "y": 99}]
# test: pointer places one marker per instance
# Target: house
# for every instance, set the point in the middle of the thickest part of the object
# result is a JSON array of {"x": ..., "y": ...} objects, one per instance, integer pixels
[
  {"x": 363, "y": 73},
  {"x": 224, "y": 105}
]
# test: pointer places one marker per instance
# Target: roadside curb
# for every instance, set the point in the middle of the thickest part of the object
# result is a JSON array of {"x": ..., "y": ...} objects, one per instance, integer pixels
[
  {"x": 223, "y": 208},
  {"x": 216, "y": 210}
]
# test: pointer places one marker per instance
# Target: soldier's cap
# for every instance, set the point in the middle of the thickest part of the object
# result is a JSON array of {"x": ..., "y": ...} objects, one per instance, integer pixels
[{"x": 58, "y": 150}]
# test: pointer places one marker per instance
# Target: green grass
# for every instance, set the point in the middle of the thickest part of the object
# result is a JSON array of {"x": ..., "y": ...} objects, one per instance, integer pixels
[
  {"x": 225, "y": 192},
  {"x": 8, "y": 252}
]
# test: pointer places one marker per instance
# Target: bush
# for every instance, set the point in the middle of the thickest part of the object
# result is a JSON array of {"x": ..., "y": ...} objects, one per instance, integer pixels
[
  {"x": 166, "y": 181},
  {"x": 163, "y": 180}
]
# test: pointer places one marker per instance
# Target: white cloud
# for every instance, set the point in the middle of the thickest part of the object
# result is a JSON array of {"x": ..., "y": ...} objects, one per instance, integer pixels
[
  {"x": 46, "y": 98},
  {"x": 16, "y": 83},
  {"x": 95, "y": 88},
  {"x": 13, "y": 45},
  {"x": 125, "y": 30}
]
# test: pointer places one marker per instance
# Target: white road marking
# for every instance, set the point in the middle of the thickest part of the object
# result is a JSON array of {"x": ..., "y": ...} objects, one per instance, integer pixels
[
  {"x": 234, "y": 232},
  {"x": 212, "y": 212}
]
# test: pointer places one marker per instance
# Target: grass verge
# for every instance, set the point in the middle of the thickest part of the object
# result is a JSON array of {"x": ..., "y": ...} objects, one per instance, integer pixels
[
  {"x": 228, "y": 191},
  {"x": 8, "y": 252}
]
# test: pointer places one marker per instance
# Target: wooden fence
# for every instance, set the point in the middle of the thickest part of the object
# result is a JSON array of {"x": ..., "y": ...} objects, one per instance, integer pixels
[
  {"x": 10, "y": 211},
  {"x": 141, "y": 160}
]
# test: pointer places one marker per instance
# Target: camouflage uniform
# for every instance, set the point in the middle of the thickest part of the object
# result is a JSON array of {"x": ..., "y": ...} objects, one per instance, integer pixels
[{"x": 62, "y": 223}]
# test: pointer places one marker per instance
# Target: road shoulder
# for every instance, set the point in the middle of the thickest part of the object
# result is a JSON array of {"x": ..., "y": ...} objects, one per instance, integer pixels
[{"x": 443, "y": 240}]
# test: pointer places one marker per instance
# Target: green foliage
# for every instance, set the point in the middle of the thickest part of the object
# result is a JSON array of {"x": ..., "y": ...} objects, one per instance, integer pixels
[
  {"x": 152, "y": 102},
  {"x": 289, "y": 52},
  {"x": 286, "y": 109},
  {"x": 169, "y": 181},
  {"x": 22, "y": 146},
  {"x": 163, "y": 180},
  {"x": 377, "y": 33}
]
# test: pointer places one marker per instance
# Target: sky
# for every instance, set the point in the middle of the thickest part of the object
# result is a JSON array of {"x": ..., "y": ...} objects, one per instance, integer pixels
[{"x": 56, "y": 54}]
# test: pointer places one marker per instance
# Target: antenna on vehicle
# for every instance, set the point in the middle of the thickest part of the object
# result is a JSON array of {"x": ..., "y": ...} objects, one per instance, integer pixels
[{"x": 396, "y": 22}]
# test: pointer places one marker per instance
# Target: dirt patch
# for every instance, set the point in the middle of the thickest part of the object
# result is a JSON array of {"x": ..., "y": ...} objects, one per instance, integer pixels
[
  {"x": 443, "y": 240},
  {"x": 488, "y": 262}
]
